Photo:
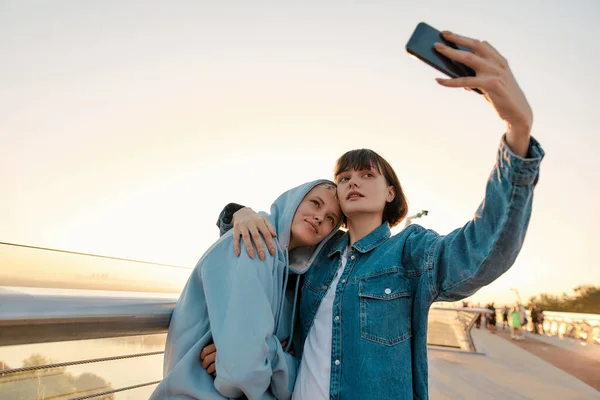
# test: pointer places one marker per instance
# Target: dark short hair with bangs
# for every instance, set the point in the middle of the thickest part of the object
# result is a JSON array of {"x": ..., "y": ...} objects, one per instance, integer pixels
[{"x": 357, "y": 160}]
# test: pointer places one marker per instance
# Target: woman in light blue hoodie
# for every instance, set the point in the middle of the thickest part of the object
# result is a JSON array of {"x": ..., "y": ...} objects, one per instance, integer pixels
[{"x": 245, "y": 306}]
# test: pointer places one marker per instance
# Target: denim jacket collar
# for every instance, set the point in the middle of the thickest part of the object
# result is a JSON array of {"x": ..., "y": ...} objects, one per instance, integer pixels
[{"x": 366, "y": 244}]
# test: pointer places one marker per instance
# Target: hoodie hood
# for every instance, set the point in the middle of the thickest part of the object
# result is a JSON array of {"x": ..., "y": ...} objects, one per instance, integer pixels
[{"x": 281, "y": 217}]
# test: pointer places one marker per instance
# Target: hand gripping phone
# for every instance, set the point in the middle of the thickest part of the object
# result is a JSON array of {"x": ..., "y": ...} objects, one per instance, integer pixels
[{"x": 421, "y": 46}]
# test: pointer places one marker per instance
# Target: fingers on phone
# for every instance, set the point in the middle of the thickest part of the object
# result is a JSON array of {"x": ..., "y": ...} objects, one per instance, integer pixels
[
  {"x": 472, "y": 44},
  {"x": 465, "y": 82},
  {"x": 479, "y": 47},
  {"x": 472, "y": 60}
]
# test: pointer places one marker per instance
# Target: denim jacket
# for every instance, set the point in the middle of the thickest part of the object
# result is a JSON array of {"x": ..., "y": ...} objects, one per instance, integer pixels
[{"x": 383, "y": 297}]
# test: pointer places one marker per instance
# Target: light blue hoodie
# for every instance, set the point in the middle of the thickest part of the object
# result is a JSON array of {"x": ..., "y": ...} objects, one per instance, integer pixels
[{"x": 240, "y": 303}]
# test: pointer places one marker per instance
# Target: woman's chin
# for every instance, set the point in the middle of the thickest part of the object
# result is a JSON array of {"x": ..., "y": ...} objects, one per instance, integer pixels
[
  {"x": 349, "y": 209},
  {"x": 356, "y": 211},
  {"x": 305, "y": 237}
]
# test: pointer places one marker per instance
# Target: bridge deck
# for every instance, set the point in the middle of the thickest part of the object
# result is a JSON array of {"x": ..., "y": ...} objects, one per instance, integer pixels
[{"x": 506, "y": 370}]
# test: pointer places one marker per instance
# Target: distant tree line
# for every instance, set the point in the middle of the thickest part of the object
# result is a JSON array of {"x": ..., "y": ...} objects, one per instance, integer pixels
[{"x": 586, "y": 299}]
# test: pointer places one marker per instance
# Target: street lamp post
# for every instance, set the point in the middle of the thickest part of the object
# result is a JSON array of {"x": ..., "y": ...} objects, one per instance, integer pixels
[
  {"x": 410, "y": 219},
  {"x": 516, "y": 291}
]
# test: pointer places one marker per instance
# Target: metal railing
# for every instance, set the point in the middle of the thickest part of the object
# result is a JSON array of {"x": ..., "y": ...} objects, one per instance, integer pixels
[
  {"x": 580, "y": 326},
  {"x": 28, "y": 319},
  {"x": 451, "y": 327},
  {"x": 585, "y": 327}
]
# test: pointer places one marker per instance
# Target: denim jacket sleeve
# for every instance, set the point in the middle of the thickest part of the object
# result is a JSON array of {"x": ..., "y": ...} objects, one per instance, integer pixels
[
  {"x": 462, "y": 262},
  {"x": 224, "y": 222}
]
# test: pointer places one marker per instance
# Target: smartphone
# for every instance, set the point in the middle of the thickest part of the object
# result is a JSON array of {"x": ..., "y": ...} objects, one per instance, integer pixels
[{"x": 421, "y": 46}]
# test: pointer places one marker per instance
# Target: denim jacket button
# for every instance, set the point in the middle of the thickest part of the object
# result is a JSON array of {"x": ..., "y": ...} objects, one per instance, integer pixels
[
  {"x": 337, "y": 362},
  {"x": 352, "y": 257},
  {"x": 324, "y": 287},
  {"x": 337, "y": 317},
  {"x": 388, "y": 291}
]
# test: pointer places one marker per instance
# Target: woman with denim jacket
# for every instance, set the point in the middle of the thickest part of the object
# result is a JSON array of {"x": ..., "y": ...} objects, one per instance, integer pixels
[{"x": 364, "y": 307}]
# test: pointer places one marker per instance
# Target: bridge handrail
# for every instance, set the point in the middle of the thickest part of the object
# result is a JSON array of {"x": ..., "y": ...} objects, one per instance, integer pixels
[{"x": 26, "y": 319}]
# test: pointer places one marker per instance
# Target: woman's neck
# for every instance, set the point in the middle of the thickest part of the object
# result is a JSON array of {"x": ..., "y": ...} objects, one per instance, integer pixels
[
  {"x": 361, "y": 225},
  {"x": 292, "y": 244}
]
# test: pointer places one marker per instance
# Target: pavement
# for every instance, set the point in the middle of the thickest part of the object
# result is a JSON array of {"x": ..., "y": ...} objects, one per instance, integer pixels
[
  {"x": 507, "y": 369},
  {"x": 566, "y": 356}
]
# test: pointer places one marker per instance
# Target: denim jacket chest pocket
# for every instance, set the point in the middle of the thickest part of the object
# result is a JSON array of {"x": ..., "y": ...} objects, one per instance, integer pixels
[{"x": 385, "y": 308}]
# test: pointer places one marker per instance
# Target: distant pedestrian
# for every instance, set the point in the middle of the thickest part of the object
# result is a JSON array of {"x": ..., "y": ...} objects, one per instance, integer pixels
[
  {"x": 515, "y": 318},
  {"x": 491, "y": 318},
  {"x": 535, "y": 319},
  {"x": 505, "y": 318},
  {"x": 523, "y": 311}
]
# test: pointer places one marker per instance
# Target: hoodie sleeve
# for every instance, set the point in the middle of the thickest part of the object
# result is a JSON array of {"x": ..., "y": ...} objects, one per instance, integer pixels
[
  {"x": 240, "y": 298},
  {"x": 473, "y": 256}
]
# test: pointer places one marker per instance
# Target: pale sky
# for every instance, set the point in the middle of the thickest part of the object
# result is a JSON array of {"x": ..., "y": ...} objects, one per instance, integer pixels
[{"x": 125, "y": 127}]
